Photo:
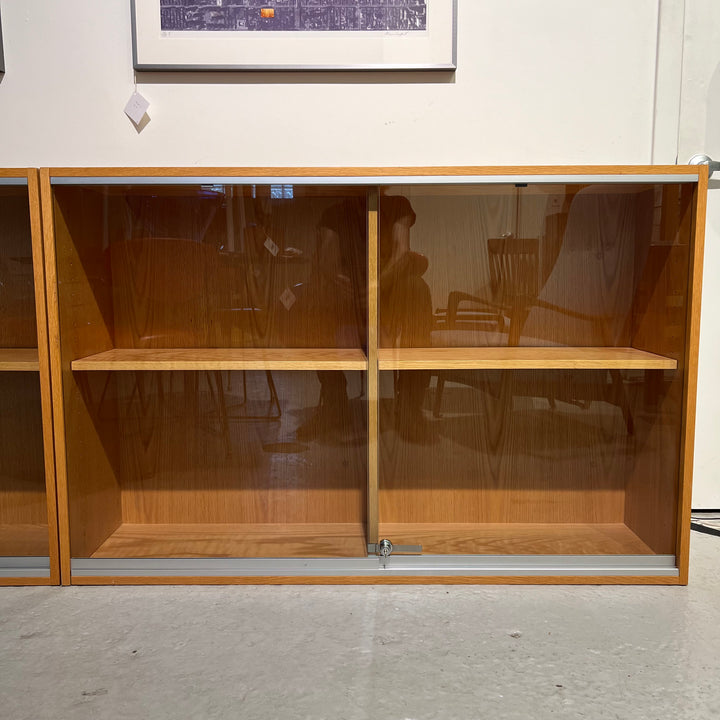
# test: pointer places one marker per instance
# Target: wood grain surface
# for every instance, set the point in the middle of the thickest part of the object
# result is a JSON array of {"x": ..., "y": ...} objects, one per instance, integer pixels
[
  {"x": 523, "y": 358},
  {"x": 517, "y": 538},
  {"x": 19, "y": 360},
  {"x": 311, "y": 172},
  {"x": 195, "y": 540},
  {"x": 224, "y": 359},
  {"x": 692, "y": 345},
  {"x": 541, "y": 420},
  {"x": 24, "y": 540},
  {"x": 79, "y": 324},
  {"x": 25, "y": 510}
]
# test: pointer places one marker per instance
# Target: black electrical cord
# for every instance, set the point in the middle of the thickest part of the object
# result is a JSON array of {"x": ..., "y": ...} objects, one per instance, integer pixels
[{"x": 704, "y": 529}]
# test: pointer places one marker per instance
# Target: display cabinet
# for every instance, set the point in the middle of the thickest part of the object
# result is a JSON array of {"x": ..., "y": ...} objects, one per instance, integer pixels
[
  {"x": 28, "y": 516},
  {"x": 374, "y": 375}
]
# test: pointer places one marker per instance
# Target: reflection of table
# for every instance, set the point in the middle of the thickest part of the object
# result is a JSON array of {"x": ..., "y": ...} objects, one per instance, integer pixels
[{"x": 249, "y": 296}]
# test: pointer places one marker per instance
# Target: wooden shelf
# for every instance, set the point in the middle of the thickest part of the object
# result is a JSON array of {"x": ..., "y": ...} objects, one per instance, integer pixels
[
  {"x": 517, "y": 538},
  {"x": 24, "y": 540},
  {"x": 522, "y": 358},
  {"x": 225, "y": 359},
  {"x": 235, "y": 540},
  {"x": 19, "y": 360}
]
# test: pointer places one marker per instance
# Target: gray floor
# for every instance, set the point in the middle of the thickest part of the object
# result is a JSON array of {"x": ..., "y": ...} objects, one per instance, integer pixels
[{"x": 365, "y": 652}]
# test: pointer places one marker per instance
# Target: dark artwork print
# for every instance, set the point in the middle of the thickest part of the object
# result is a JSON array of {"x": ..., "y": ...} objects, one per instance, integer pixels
[{"x": 298, "y": 15}]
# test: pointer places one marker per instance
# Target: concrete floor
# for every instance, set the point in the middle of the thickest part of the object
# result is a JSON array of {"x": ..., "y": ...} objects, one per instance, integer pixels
[{"x": 365, "y": 652}]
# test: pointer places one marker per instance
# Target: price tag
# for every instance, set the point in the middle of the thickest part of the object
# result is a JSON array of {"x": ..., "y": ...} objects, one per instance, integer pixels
[
  {"x": 272, "y": 248},
  {"x": 136, "y": 107},
  {"x": 288, "y": 298}
]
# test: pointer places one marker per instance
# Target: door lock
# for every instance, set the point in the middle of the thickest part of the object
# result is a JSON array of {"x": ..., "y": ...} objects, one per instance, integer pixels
[{"x": 385, "y": 548}]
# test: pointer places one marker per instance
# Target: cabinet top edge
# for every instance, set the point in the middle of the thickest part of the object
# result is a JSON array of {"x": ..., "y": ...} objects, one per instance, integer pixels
[
  {"x": 15, "y": 176},
  {"x": 370, "y": 170},
  {"x": 376, "y": 175}
]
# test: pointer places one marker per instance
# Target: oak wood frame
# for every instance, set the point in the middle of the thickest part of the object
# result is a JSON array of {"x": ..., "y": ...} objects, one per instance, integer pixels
[
  {"x": 375, "y": 357},
  {"x": 42, "y": 366}
]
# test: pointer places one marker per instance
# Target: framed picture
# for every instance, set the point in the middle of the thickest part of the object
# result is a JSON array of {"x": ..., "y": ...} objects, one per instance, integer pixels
[
  {"x": 2, "y": 55},
  {"x": 294, "y": 34}
]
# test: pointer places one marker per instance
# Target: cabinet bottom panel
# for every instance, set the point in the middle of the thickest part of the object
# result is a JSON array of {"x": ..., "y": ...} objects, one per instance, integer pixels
[
  {"x": 227, "y": 540},
  {"x": 23, "y": 540},
  {"x": 517, "y": 538}
]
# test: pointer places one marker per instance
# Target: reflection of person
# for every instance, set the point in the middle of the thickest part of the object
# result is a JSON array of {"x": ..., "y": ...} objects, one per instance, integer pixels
[
  {"x": 338, "y": 307},
  {"x": 405, "y": 309}
]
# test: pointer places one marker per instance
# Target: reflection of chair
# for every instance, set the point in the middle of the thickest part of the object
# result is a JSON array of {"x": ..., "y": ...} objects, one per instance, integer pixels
[
  {"x": 161, "y": 300},
  {"x": 514, "y": 279},
  {"x": 237, "y": 310},
  {"x": 600, "y": 257},
  {"x": 514, "y": 285}
]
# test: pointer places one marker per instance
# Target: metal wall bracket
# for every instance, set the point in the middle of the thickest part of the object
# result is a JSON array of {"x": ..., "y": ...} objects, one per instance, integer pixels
[{"x": 700, "y": 159}]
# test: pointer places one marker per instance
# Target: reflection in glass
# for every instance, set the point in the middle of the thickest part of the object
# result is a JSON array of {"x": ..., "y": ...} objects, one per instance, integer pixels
[
  {"x": 222, "y": 266},
  {"x": 229, "y": 453},
  {"x": 23, "y": 511}
]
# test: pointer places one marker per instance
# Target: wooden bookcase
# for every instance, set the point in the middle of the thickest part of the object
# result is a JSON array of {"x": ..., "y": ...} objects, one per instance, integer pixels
[
  {"x": 28, "y": 512},
  {"x": 260, "y": 374}
]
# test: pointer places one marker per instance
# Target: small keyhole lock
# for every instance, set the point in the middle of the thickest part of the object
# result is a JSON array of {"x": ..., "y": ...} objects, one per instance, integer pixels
[{"x": 384, "y": 548}]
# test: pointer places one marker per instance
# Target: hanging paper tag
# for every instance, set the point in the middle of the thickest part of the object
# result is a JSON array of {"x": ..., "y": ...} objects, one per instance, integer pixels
[{"x": 136, "y": 107}]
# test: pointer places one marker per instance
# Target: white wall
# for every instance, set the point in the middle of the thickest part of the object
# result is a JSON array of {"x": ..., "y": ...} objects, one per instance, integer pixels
[
  {"x": 700, "y": 133},
  {"x": 570, "y": 81},
  {"x": 561, "y": 82}
]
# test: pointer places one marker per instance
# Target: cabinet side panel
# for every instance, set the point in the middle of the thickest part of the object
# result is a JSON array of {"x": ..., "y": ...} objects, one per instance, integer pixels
[
  {"x": 660, "y": 310},
  {"x": 23, "y": 509},
  {"x": 689, "y": 399},
  {"x": 85, "y": 327},
  {"x": 44, "y": 367}
]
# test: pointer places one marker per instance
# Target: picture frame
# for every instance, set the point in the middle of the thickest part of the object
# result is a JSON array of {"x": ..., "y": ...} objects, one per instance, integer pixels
[
  {"x": 286, "y": 35},
  {"x": 2, "y": 53}
]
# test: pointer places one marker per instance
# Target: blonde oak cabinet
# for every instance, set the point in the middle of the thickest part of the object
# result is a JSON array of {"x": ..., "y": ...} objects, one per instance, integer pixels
[
  {"x": 28, "y": 514},
  {"x": 448, "y": 375}
]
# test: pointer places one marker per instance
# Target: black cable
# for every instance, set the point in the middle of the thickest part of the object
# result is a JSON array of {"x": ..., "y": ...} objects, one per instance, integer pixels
[{"x": 704, "y": 529}]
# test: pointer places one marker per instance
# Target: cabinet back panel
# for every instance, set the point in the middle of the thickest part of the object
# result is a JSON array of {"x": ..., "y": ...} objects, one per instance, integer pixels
[
  {"x": 221, "y": 266},
  {"x": 17, "y": 291},
  {"x": 525, "y": 446},
  {"x": 22, "y": 470},
  {"x": 505, "y": 265},
  {"x": 209, "y": 447}
]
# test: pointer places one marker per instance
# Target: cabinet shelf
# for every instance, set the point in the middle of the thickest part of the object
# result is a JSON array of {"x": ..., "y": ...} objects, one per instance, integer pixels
[
  {"x": 140, "y": 540},
  {"x": 19, "y": 360},
  {"x": 523, "y": 358},
  {"x": 224, "y": 359}
]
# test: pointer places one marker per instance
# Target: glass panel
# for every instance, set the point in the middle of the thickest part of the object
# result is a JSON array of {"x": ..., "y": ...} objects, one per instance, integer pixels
[
  {"x": 504, "y": 265},
  {"x": 215, "y": 265},
  {"x": 520, "y": 461},
  {"x": 531, "y": 461},
  {"x": 218, "y": 464},
  {"x": 17, "y": 293},
  {"x": 23, "y": 512}
]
